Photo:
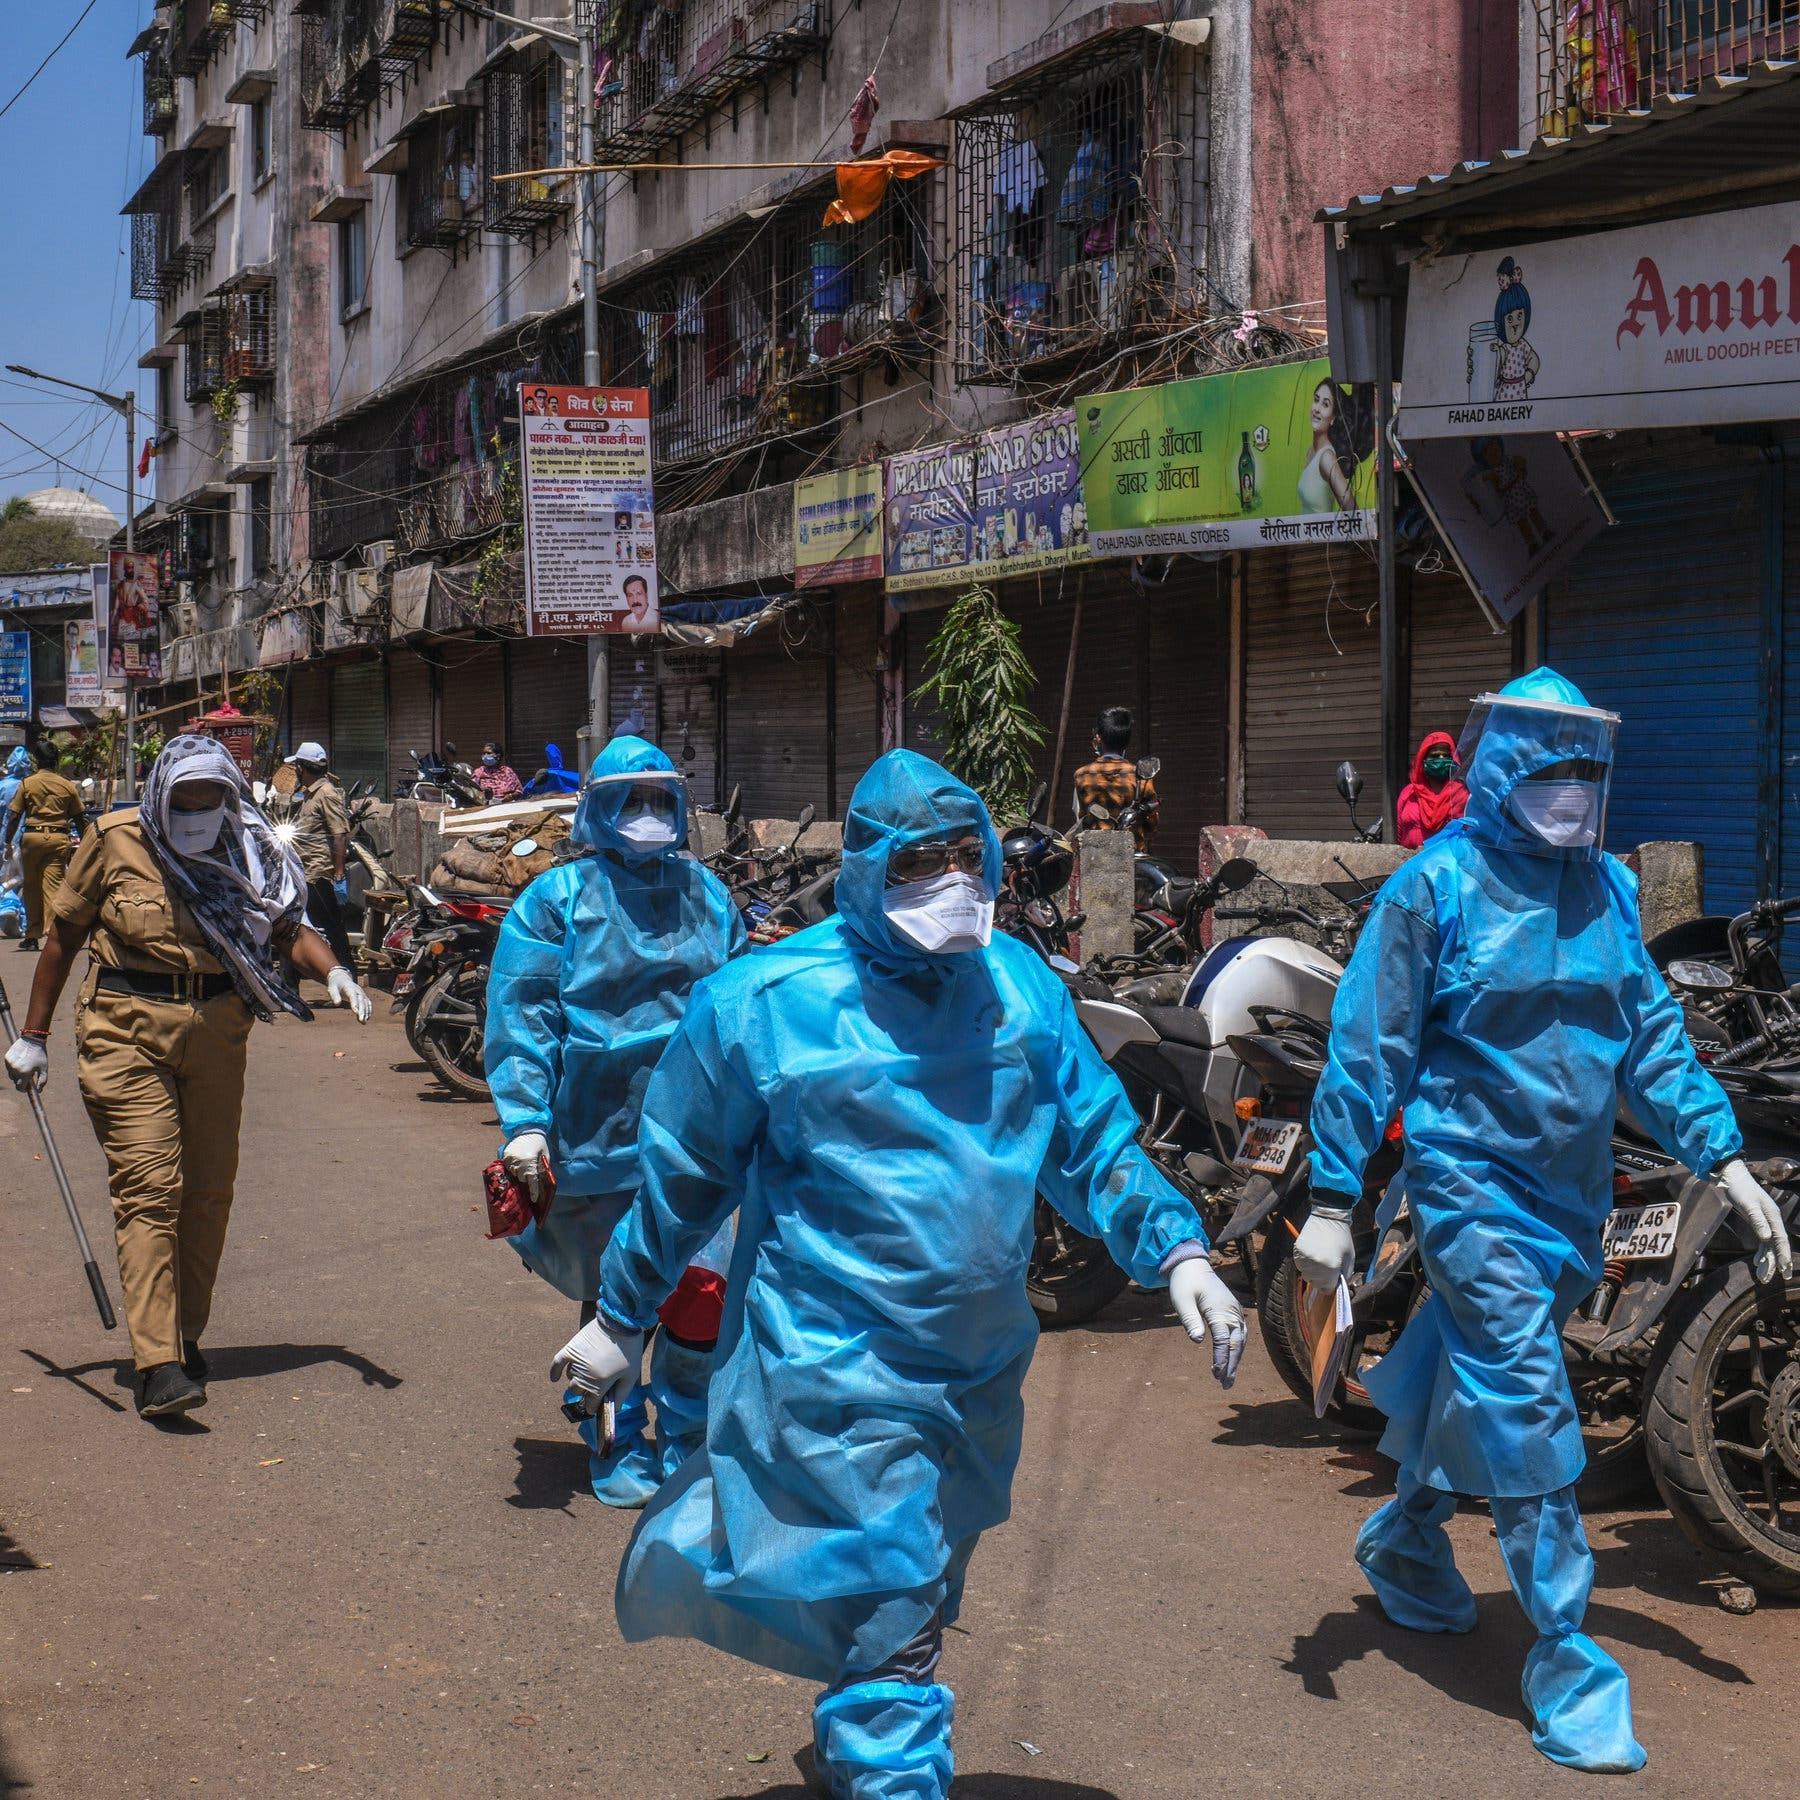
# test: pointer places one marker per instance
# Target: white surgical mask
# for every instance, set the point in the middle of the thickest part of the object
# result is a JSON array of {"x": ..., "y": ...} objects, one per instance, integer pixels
[
  {"x": 194, "y": 833},
  {"x": 1563, "y": 813},
  {"x": 950, "y": 912},
  {"x": 647, "y": 828}
]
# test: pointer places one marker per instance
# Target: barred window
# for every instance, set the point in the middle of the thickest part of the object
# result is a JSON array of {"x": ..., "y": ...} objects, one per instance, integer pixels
[
  {"x": 524, "y": 118},
  {"x": 443, "y": 179},
  {"x": 1082, "y": 206}
]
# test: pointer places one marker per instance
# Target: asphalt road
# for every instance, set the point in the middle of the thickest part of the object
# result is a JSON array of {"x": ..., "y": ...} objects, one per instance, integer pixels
[{"x": 372, "y": 1566}]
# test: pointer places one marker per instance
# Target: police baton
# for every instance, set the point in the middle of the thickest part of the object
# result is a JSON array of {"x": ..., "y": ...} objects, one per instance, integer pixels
[{"x": 62, "y": 1180}]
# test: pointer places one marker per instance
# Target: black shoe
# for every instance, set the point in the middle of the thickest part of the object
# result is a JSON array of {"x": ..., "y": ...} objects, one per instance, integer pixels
[
  {"x": 193, "y": 1363},
  {"x": 27, "y": 943},
  {"x": 165, "y": 1390}
]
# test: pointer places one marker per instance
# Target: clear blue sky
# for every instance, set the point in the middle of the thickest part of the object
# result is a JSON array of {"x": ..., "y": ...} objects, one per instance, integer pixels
[{"x": 74, "y": 150}]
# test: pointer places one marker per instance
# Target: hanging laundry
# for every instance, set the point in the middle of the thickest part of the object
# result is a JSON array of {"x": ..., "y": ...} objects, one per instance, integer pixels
[{"x": 862, "y": 114}]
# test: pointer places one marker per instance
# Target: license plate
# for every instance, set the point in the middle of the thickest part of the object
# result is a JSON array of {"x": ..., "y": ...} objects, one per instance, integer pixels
[
  {"x": 1641, "y": 1233},
  {"x": 1266, "y": 1148}
]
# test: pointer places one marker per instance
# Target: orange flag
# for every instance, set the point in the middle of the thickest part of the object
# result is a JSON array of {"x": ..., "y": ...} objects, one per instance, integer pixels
[{"x": 861, "y": 185}]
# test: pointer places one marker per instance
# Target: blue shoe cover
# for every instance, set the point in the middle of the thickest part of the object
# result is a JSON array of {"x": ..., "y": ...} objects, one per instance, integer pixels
[
  {"x": 884, "y": 1740},
  {"x": 678, "y": 1379},
  {"x": 626, "y": 1476},
  {"x": 1405, "y": 1552}
]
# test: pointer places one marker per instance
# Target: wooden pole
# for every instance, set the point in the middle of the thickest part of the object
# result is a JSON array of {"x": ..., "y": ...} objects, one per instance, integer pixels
[{"x": 1068, "y": 693}]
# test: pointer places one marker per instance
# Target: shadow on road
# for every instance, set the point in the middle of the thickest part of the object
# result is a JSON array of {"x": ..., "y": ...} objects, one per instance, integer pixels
[
  {"x": 232, "y": 1362},
  {"x": 967, "y": 1787},
  {"x": 12, "y": 1778},
  {"x": 13, "y": 1555},
  {"x": 553, "y": 1472},
  {"x": 1284, "y": 1424}
]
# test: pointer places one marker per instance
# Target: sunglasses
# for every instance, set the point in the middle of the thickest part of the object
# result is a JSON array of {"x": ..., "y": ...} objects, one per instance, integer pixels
[{"x": 925, "y": 862}]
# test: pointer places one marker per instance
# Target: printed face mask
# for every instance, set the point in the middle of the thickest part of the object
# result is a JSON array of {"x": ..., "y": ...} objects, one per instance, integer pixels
[
  {"x": 1439, "y": 767},
  {"x": 1563, "y": 813},
  {"x": 946, "y": 914},
  {"x": 194, "y": 833},
  {"x": 647, "y": 828}
]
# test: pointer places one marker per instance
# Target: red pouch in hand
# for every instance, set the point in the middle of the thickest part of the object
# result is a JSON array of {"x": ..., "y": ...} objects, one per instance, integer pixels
[{"x": 509, "y": 1206}]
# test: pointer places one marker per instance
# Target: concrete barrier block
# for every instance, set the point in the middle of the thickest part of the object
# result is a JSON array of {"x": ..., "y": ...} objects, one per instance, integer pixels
[
  {"x": 1104, "y": 888},
  {"x": 1671, "y": 884}
]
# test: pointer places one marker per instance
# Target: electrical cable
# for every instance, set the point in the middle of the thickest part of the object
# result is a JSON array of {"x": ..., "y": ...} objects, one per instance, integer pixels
[{"x": 35, "y": 73}]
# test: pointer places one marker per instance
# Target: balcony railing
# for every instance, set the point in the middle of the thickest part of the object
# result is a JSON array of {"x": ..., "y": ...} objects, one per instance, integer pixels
[
  {"x": 1599, "y": 58},
  {"x": 198, "y": 31},
  {"x": 159, "y": 93},
  {"x": 232, "y": 341},
  {"x": 664, "y": 67},
  {"x": 524, "y": 121},
  {"x": 164, "y": 258},
  {"x": 351, "y": 49}
]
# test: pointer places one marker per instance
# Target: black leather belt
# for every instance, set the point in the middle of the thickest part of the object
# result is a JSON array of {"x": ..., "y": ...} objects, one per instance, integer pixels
[{"x": 192, "y": 988}]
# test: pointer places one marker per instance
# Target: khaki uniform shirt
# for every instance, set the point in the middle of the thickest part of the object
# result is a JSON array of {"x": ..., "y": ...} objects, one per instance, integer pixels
[
  {"x": 114, "y": 891},
  {"x": 47, "y": 801},
  {"x": 320, "y": 819}
]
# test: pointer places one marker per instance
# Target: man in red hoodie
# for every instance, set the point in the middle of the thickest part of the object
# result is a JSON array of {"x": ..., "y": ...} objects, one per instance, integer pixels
[{"x": 1434, "y": 796}]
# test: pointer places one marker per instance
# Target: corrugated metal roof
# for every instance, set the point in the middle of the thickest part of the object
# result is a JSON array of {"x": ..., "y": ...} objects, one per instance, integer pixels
[{"x": 1752, "y": 127}]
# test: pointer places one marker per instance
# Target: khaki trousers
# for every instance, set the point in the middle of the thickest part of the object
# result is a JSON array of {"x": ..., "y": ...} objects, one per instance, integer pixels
[
  {"x": 43, "y": 856},
  {"x": 164, "y": 1086}
]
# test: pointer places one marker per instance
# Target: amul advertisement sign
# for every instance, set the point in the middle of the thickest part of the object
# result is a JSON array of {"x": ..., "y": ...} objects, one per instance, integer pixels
[
  {"x": 1693, "y": 322},
  {"x": 1276, "y": 455},
  {"x": 590, "y": 526}
]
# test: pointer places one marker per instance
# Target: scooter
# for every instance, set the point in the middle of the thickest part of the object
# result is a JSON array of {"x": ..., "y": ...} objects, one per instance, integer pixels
[{"x": 444, "y": 985}]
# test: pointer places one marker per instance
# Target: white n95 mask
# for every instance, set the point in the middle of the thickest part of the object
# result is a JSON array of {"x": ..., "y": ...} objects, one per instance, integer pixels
[
  {"x": 647, "y": 828},
  {"x": 1565, "y": 814},
  {"x": 194, "y": 833},
  {"x": 947, "y": 913}
]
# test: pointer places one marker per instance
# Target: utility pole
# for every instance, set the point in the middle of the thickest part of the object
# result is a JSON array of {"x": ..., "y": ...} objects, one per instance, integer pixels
[
  {"x": 125, "y": 405},
  {"x": 580, "y": 42}
]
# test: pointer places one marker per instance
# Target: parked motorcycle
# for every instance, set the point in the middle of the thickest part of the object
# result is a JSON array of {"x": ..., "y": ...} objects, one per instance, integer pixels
[
  {"x": 444, "y": 985},
  {"x": 1036, "y": 862}
]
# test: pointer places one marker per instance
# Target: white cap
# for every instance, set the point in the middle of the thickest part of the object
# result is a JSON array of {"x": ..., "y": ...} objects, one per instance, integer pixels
[{"x": 309, "y": 752}]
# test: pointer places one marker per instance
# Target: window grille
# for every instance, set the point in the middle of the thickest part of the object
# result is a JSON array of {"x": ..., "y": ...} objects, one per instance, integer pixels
[
  {"x": 443, "y": 179},
  {"x": 159, "y": 91},
  {"x": 665, "y": 67},
  {"x": 162, "y": 258},
  {"x": 1081, "y": 207},
  {"x": 351, "y": 49},
  {"x": 1599, "y": 58},
  {"x": 249, "y": 328},
  {"x": 203, "y": 355},
  {"x": 525, "y": 118},
  {"x": 194, "y": 544},
  {"x": 208, "y": 176},
  {"x": 197, "y": 33}
]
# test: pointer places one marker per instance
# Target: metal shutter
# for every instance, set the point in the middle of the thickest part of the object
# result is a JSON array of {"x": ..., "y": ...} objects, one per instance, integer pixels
[
  {"x": 775, "y": 723},
  {"x": 1312, "y": 688},
  {"x": 1787, "y": 849},
  {"x": 1661, "y": 620},
  {"x": 632, "y": 704},
  {"x": 1456, "y": 655},
  {"x": 409, "y": 714},
  {"x": 308, "y": 705},
  {"x": 858, "y": 626},
  {"x": 358, "y": 741},
  {"x": 546, "y": 700},
  {"x": 1189, "y": 681},
  {"x": 473, "y": 689},
  {"x": 687, "y": 705}
]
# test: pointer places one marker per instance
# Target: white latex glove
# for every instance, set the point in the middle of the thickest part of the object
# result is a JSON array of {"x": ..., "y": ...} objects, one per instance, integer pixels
[
  {"x": 598, "y": 1365},
  {"x": 523, "y": 1156},
  {"x": 1324, "y": 1252},
  {"x": 27, "y": 1062},
  {"x": 1209, "y": 1312},
  {"x": 1749, "y": 1200},
  {"x": 341, "y": 985}
]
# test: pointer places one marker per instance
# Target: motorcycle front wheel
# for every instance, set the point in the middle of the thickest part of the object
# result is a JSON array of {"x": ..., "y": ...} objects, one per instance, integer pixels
[
  {"x": 1722, "y": 1428},
  {"x": 1071, "y": 1276},
  {"x": 450, "y": 1028}
]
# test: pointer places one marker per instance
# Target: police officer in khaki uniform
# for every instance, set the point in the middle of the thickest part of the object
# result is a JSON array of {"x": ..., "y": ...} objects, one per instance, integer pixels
[
  {"x": 183, "y": 904},
  {"x": 45, "y": 815},
  {"x": 321, "y": 840}
]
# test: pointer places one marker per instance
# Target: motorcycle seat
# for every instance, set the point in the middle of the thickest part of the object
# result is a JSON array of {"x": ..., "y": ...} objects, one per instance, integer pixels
[{"x": 1179, "y": 1025}]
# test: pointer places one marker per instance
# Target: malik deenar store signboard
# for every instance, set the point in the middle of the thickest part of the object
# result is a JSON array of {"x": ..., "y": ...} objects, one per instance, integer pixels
[{"x": 1693, "y": 322}]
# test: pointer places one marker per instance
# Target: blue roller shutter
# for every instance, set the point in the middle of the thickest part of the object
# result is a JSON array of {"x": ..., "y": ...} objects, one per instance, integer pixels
[{"x": 1661, "y": 619}]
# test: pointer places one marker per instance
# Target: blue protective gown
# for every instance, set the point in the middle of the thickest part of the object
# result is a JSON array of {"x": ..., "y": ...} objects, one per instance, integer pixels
[
  {"x": 553, "y": 778},
  {"x": 18, "y": 766},
  {"x": 1500, "y": 996},
  {"x": 883, "y": 1119},
  {"x": 592, "y": 970}
]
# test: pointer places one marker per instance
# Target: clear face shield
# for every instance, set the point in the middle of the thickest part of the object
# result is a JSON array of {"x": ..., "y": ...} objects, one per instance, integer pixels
[
  {"x": 1552, "y": 762},
  {"x": 647, "y": 814}
]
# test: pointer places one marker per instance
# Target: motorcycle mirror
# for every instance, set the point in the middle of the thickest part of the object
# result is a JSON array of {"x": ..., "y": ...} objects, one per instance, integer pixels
[
  {"x": 1034, "y": 807},
  {"x": 807, "y": 815},
  {"x": 1149, "y": 767},
  {"x": 1699, "y": 977},
  {"x": 1238, "y": 873},
  {"x": 449, "y": 751},
  {"x": 734, "y": 804},
  {"x": 1349, "y": 783}
]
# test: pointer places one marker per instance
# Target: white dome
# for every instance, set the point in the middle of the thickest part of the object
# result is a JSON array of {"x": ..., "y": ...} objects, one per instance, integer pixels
[{"x": 92, "y": 518}]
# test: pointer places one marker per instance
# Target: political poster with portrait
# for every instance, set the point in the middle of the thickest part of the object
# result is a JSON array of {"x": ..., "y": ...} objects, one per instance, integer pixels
[
  {"x": 133, "y": 628},
  {"x": 81, "y": 661},
  {"x": 590, "y": 523}
]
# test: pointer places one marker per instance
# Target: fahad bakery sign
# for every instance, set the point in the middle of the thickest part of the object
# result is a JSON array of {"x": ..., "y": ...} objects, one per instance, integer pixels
[{"x": 1693, "y": 322}]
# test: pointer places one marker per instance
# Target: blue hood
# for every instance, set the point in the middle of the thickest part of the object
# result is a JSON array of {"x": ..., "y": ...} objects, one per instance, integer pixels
[
  {"x": 19, "y": 763},
  {"x": 596, "y": 815},
  {"x": 1552, "y": 723},
  {"x": 903, "y": 798}
]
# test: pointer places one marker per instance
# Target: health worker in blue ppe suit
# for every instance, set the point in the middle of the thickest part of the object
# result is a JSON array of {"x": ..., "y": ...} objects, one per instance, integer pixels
[
  {"x": 1501, "y": 999},
  {"x": 881, "y": 1096},
  {"x": 594, "y": 965}
]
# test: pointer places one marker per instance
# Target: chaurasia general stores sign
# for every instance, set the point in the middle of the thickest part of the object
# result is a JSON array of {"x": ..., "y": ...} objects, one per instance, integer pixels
[
  {"x": 590, "y": 529},
  {"x": 1693, "y": 322}
]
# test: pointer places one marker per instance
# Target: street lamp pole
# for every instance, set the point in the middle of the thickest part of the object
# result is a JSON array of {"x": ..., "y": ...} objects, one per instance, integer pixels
[{"x": 125, "y": 405}]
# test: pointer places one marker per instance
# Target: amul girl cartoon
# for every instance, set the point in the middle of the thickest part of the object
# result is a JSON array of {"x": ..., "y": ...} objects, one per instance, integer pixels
[{"x": 1518, "y": 365}]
